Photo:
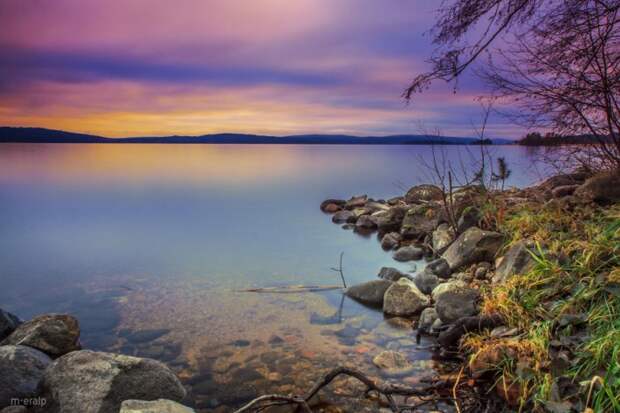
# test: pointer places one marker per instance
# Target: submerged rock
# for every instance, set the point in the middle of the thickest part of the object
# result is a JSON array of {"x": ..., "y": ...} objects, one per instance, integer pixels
[
  {"x": 403, "y": 298},
  {"x": 393, "y": 363},
  {"x": 518, "y": 260},
  {"x": 472, "y": 246},
  {"x": 409, "y": 253},
  {"x": 392, "y": 274},
  {"x": 21, "y": 370},
  {"x": 8, "y": 323},
  {"x": 370, "y": 292},
  {"x": 53, "y": 334},
  {"x": 89, "y": 381},
  {"x": 154, "y": 406}
]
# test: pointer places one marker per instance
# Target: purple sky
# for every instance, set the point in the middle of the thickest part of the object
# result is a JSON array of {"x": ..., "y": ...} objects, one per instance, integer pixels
[{"x": 158, "y": 67}]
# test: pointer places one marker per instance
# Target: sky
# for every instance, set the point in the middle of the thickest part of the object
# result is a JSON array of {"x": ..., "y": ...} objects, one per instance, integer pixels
[{"x": 159, "y": 67}]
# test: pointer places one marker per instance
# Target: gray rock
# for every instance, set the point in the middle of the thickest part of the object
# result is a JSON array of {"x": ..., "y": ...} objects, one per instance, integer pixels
[
  {"x": 517, "y": 260},
  {"x": 426, "y": 281},
  {"x": 392, "y": 274},
  {"x": 439, "y": 267},
  {"x": 392, "y": 363},
  {"x": 466, "y": 277},
  {"x": 391, "y": 220},
  {"x": 21, "y": 370},
  {"x": 472, "y": 246},
  {"x": 437, "y": 325},
  {"x": 154, "y": 406},
  {"x": 447, "y": 286},
  {"x": 427, "y": 318},
  {"x": 481, "y": 272},
  {"x": 370, "y": 292},
  {"x": 602, "y": 188},
  {"x": 53, "y": 334},
  {"x": 377, "y": 206},
  {"x": 563, "y": 180},
  {"x": 390, "y": 241},
  {"x": 442, "y": 238},
  {"x": 409, "y": 253},
  {"x": 403, "y": 298},
  {"x": 95, "y": 382},
  {"x": 342, "y": 217},
  {"x": 365, "y": 222},
  {"x": 423, "y": 193},
  {"x": 420, "y": 220},
  {"x": 469, "y": 218},
  {"x": 457, "y": 302},
  {"x": 356, "y": 202},
  {"x": 8, "y": 323}
]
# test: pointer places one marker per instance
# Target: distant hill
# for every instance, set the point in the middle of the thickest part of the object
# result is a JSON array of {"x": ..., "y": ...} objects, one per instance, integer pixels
[{"x": 41, "y": 135}]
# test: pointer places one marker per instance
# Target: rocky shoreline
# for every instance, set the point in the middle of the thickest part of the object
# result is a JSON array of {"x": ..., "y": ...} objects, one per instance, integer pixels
[{"x": 465, "y": 257}]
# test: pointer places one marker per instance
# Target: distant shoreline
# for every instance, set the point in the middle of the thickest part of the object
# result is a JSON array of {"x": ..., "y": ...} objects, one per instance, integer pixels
[{"x": 41, "y": 135}]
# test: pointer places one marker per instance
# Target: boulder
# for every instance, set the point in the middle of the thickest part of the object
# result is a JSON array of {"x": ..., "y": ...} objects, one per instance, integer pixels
[
  {"x": 390, "y": 220},
  {"x": 420, "y": 220},
  {"x": 442, "y": 238},
  {"x": 447, "y": 286},
  {"x": 403, "y": 298},
  {"x": 555, "y": 181},
  {"x": 338, "y": 203},
  {"x": 472, "y": 246},
  {"x": 154, "y": 406},
  {"x": 456, "y": 302},
  {"x": 517, "y": 260},
  {"x": 408, "y": 253},
  {"x": 356, "y": 202},
  {"x": 21, "y": 370},
  {"x": 427, "y": 318},
  {"x": 602, "y": 188},
  {"x": 439, "y": 267},
  {"x": 469, "y": 218},
  {"x": 423, "y": 193},
  {"x": 392, "y": 274},
  {"x": 331, "y": 208},
  {"x": 426, "y": 281},
  {"x": 8, "y": 323},
  {"x": 53, "y": 334},
  {"x": 88, "y": 381},
  {"x": 564, "y": 190},
  {"x": 370, "y": 292},
  {"x": 390, "y": 241},
  {"x": 377, "y": 206},
  {"x": 365, "y": 222},
  {"x": 342, "y": 217},
  {"x": 392, "y": 363},
  {"x": 358, "y": 212}
]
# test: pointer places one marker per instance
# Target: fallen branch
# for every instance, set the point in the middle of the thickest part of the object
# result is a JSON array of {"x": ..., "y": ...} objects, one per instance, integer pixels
[
  {"x": 388, "y": 390},
  {"x": 464, "y": 325}
]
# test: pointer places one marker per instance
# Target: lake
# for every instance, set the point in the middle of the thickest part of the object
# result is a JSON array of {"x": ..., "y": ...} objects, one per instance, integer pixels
[{"x": 148, "y": 245}]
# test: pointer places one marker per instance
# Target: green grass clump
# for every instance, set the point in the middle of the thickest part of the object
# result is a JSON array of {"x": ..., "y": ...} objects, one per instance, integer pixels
[{"x": 567, "y": 307}]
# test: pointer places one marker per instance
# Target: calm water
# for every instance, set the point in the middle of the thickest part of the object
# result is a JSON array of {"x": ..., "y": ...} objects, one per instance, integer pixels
[{"x": 147, "y": 245}]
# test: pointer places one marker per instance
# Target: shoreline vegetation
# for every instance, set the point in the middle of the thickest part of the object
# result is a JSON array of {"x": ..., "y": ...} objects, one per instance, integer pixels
[{"x": 522, "y": 295}]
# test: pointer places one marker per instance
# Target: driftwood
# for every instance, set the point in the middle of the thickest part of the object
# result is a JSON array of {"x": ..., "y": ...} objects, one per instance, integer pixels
[
  {"x": 291, "y": 289},
  {"x": 388, "y": 390},
  {"x": 463, "y": 325}
]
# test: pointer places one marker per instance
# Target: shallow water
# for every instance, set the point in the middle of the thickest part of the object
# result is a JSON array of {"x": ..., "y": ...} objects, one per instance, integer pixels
[{"x": 148, "y": 244}]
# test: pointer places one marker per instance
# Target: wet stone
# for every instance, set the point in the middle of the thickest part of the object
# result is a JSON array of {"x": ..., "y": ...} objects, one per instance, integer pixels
[
  {"x": 241, "y": 343},
  {"x": 246, "y": 374},
  {"x": 143, "y": 336}
]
